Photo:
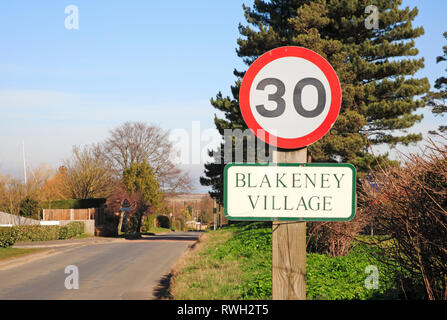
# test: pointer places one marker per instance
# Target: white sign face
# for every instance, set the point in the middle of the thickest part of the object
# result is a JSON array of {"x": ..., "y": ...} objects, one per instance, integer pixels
[
  {"x": 290, "y": 97},
  {"x": 282, "y": 75},
  {"x": 306, "y": 192}
]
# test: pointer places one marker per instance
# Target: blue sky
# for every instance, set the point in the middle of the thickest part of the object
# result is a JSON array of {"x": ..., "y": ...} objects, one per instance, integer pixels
[{"x": 156, "y": 61}]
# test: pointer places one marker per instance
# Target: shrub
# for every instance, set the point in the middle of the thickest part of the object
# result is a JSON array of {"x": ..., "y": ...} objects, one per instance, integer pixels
[
  {"x": 63, "y": 232},
  {"x": 336, "y": 238},
  {"x": 163, "y": 222},
  {"x": 179, "y": 224},
  {"x": 410, "y": 206},
  {"x": 71, "y": 230},
  {"x": 8, "y": 236},
  {"x": 29, "y": 208},
  {"x": 37, "y": 233},
  {"x": 148, "y": 223},
  {"x": 74, "y": 204}
]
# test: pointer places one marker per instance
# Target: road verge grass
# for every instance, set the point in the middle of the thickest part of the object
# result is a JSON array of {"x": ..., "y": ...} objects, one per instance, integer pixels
[
  {"x": 236, "y": 263},
  {"x": 10, "y": 253},
  {"x": 231, "y": 263}
]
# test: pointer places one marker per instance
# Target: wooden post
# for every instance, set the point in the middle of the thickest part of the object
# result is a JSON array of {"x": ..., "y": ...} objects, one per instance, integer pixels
[
  {"x": 289, "y": 246},
  {"x": 173, "y": 210},
  {"x": 120, "y": 224}
]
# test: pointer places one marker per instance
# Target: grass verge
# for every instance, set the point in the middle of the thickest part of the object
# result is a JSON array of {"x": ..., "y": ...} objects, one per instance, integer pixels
[
  {"x": 231, "y": 263},
  {"x": 9, "y": 253},
  {"x": 159, "y": 230},
  {"x": 235, "y": 263},
  {"x": 82, "y": 236}
]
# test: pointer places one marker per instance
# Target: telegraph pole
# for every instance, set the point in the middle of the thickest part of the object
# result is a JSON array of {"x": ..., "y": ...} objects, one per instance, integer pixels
[{"x": 24, "y": 160}]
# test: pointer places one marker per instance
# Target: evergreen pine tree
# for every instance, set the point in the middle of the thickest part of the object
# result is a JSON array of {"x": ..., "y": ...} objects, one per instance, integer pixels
[
  {"x": 372, "y": 65},
  {"x": 438, "y": 100}
]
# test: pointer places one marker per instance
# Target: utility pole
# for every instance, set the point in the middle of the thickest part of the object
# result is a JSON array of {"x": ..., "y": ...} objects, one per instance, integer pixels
[
  {"x": 184, "y": 215},
  {"x": 24, "y": 160}
]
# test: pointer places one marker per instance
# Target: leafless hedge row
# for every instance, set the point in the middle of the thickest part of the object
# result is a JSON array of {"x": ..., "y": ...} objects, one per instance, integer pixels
[{"x": 409, "y": 205}]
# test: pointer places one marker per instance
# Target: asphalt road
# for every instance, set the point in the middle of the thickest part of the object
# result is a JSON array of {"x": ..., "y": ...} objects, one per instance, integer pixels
[{"x": 127, "y": 269}]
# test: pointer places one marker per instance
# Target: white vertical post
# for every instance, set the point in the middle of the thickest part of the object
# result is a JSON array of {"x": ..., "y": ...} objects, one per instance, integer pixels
[{"x": 24, "y": 160}]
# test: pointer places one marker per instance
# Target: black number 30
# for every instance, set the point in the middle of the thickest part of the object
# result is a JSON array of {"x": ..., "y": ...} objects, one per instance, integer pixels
[{"x": 277, "y": 97}]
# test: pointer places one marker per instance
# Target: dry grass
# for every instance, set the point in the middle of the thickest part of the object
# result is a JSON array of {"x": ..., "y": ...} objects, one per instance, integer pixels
[{"x": 199, "y": 276}]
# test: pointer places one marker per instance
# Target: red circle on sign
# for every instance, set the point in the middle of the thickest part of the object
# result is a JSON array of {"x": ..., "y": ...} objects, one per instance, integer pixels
[{"x": 260, "y": 63}]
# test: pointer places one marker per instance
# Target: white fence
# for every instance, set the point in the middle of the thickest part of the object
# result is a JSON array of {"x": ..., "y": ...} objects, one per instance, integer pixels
[{"x": 10, "y": 219}]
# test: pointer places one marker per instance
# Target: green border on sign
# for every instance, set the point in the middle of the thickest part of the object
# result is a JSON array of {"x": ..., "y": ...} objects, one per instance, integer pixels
[{"x": 348, "y": 165}]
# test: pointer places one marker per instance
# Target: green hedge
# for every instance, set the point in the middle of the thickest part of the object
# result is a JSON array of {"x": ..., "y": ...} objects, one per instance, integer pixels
[
  {"x": 74, "y": 204},
  {"x": 148, "y": 223},
  {"x": 29, "y": 208},
  {"x": 71, "y": 230},
  {"x": 179, "y": 225},
  {"x": 163, "y": 222},
  {"x": 10, "y": 235}
]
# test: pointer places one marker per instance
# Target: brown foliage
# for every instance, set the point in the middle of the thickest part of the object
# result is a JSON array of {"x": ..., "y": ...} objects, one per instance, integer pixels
[
  {"x": 87, "y": 174},
  {"x": 54, "y": 188},
  {"x": 410, "y": 206},
  {"x": 14, "y": 191},
  {"x": 138, "y": 207},
  {"x": 335, "y": 238}
]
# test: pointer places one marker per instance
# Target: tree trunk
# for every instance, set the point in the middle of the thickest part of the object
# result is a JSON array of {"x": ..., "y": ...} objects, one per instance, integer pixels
[
  {"x": 140, "y": 222},
  {"x": 120, "y": 224}
]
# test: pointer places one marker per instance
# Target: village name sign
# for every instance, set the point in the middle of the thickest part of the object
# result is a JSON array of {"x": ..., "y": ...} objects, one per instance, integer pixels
[{"x": 304, "y": 192}]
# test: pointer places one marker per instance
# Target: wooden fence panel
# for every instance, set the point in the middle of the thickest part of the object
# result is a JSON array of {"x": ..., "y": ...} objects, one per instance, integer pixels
[
  {"x": 81, "y": 214},
  {"x": 74, "y": 214},
  {"x": 56, "y": 214}
]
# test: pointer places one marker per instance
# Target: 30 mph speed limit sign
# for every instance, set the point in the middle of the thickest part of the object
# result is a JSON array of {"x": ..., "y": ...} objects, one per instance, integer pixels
[{"x": 290, "y": 97}]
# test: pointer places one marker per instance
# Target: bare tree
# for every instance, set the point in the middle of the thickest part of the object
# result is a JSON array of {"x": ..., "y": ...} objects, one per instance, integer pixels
[
  {"x": 138, "y": 142},
  {"x": 36, "y": 181},
  {"x": 12, "y": 192},
  {"x": 87, "y": 174}
]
